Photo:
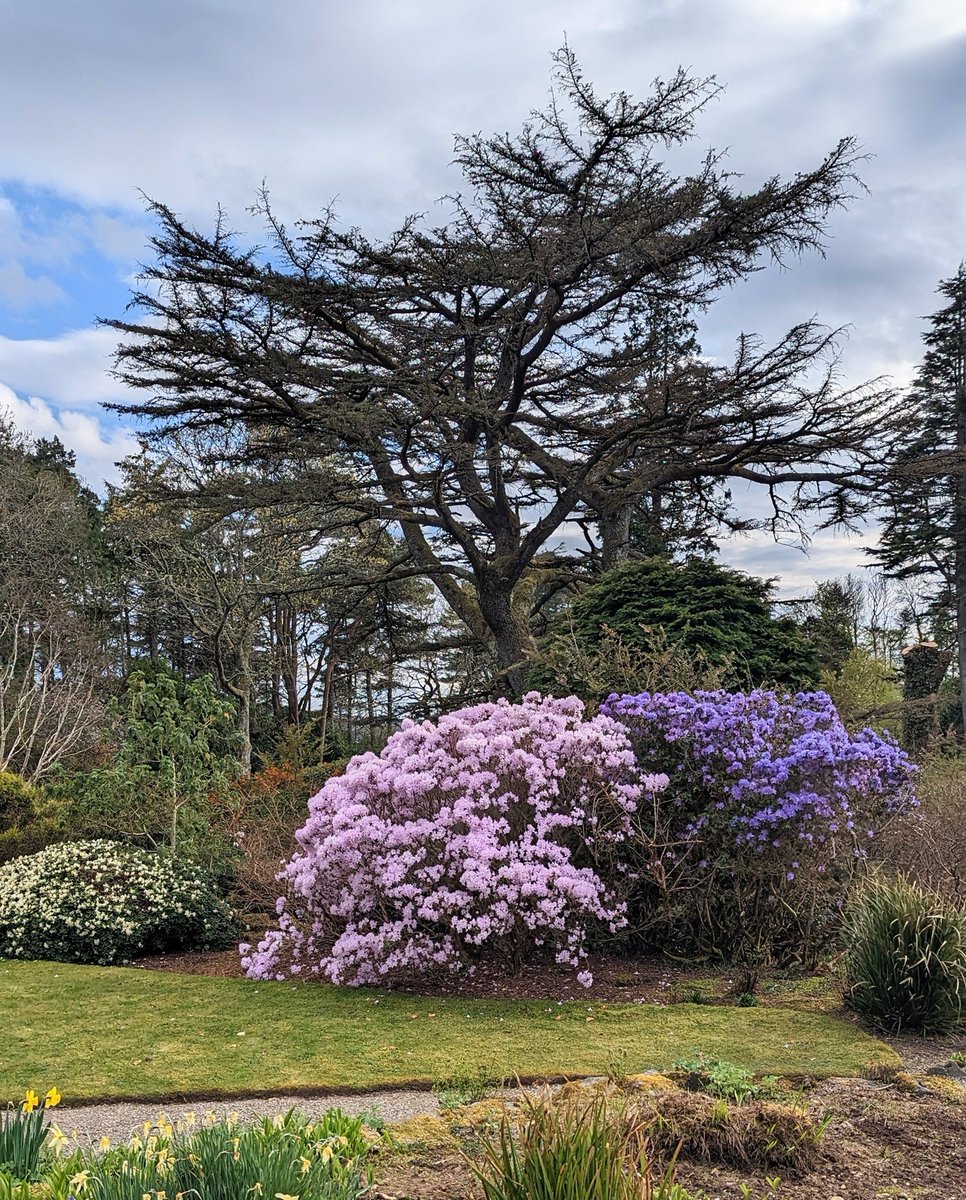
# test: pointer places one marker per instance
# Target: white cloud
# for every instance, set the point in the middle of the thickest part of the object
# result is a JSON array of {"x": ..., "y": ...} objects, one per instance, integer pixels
[
  {"x": 827, "y": 556},
  {"x": 72, "y": 369},
  {"x": 98, "y": 441}
]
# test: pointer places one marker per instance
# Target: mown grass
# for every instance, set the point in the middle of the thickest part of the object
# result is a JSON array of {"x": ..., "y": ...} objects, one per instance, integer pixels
[{"x": 101, "y": 1032}]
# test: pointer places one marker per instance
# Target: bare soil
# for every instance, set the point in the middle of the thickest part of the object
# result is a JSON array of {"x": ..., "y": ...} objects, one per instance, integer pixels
[
  {"x": 622, "y": 980},
  {"x": 880, "y": 1143}
]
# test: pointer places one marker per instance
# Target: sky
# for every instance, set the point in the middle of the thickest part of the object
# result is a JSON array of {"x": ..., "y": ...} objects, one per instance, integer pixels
[{"x": 196, "y": 102}]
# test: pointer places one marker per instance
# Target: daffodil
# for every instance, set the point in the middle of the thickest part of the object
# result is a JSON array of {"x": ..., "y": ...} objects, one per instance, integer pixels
[
  {"x": 30, "y": 1101},
  {"x": 58, "y": 1138},
  {"x": 104, "y": 1143},
  {"x": 79, "y": 1181},
  {"x": 53, "y": 1098},
  {"x": 284, "y": 1196}
]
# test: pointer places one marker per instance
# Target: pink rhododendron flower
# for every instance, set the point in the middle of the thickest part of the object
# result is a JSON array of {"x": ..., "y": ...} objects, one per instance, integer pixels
[{"x": 494, "y": 828}]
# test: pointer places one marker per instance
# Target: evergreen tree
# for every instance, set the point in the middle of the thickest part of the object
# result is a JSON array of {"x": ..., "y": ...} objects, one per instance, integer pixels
[{"x": 924, "y": 527}]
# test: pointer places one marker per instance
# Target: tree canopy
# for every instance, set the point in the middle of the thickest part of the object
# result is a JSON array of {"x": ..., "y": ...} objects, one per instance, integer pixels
[
  {"x": 923, "y": 531},
  {"x": 490, "y": 382},
  {"x": 722, "y": 613}
]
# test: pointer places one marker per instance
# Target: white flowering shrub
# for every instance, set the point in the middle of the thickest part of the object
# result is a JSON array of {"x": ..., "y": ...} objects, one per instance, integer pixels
[{"x": 105, "y": 902}]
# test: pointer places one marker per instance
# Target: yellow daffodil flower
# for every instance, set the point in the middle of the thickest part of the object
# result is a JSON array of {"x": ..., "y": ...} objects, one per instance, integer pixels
[
  {"x": 30, "y": 1101},
  {"x": 58, "y": 1139},
  {"x": 284, "y": 1196},
  {"x": 53, "y": 1098},
  {"x": 79, "y": 1181},
  {"x": 104, "y": 1143}
]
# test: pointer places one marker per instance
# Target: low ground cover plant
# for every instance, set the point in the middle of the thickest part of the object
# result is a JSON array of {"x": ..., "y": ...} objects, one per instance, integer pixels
[
  {"x": 104, "y": 902},
  {"x": 770, "y": 805},
  {"x": 338, "y": 1038},
  {"x": 905, "y": 957}
]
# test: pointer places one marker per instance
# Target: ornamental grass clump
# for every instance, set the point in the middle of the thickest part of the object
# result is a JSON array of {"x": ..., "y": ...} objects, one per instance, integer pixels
[
  {"x": 104, "y": 902},
  {"x": 500, "y": 828},
  {"x": 905, "y": 957},
  {"x": 771, "y": 803},
  {"x": 573, "y": 1151}
]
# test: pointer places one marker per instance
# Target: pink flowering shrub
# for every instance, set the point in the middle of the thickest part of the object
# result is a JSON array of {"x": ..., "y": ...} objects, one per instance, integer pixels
[{"x": 497, "y": 828}]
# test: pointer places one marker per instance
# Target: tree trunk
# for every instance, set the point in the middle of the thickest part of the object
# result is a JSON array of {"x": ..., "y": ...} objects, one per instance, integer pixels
[
  {"x": 615, "y": 536},
  {"x": 515, "y": 647},
  {"x": 244, "y": 695}
]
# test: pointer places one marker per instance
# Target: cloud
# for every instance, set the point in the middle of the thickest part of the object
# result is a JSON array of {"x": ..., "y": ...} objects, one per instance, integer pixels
[
  {"x": 72, "y": 369},
  {"x": 795, "y": 570},
  {"x": 98, "y": 442},
  {"x": 20, "y": 290},
  {"x": 358, "y": 103}
]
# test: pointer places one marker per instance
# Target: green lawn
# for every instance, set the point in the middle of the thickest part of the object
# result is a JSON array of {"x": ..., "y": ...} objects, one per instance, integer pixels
[{"x": 99, "y": 1032}]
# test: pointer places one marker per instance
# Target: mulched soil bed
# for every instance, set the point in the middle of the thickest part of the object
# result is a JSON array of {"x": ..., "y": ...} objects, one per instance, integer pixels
[
  {"x": 880, "y": 1143},
  {"x": 621, "y": 980}
]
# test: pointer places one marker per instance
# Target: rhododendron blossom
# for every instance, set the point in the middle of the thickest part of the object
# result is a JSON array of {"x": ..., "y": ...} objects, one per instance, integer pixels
[
  {"x": 497, "y": 827},
  {"x": 770, "y": 804}
]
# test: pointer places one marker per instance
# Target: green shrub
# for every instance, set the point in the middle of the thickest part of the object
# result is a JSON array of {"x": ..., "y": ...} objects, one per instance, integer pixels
[
  {"x": 573, "y": 1151},
  {"x": 174, "y": 755},
  {"x": 24, "y": 825},
  {"x": 723, "y": 614},
  {"x": 905, "y": 957},
  {"x": 104, "y": 902},
  {"x": 18, "y": 800}
]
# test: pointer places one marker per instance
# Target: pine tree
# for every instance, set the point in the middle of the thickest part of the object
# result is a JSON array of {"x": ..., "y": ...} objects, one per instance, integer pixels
[{"x": 924, "y": 528}]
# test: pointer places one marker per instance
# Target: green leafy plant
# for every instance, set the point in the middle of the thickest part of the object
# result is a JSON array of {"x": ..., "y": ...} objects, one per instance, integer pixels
[
  {"x": 23, "y": 1132},
  {"x": 12, "y": 1188},
  {"x": 573, "y": 1152},
  {"x": 103, "y": 902},
  {"x": 905, "y": 957},
  {"x": 25, "y": 826},
  {"x": 289, "y": 1157},
  {"x": 175, "y": 749},
  {"x": 726, "y": 1080},
  {"x": 463, "y": 1088}
]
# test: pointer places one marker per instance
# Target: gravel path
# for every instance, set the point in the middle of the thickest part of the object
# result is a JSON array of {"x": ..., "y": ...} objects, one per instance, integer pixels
[{"x": 89, "y": 1122}]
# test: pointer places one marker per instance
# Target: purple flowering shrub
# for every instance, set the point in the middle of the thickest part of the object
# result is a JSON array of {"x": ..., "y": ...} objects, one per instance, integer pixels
[
  {"x": 770, "y": 805},
  {"x": 500, "y": 828}
]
